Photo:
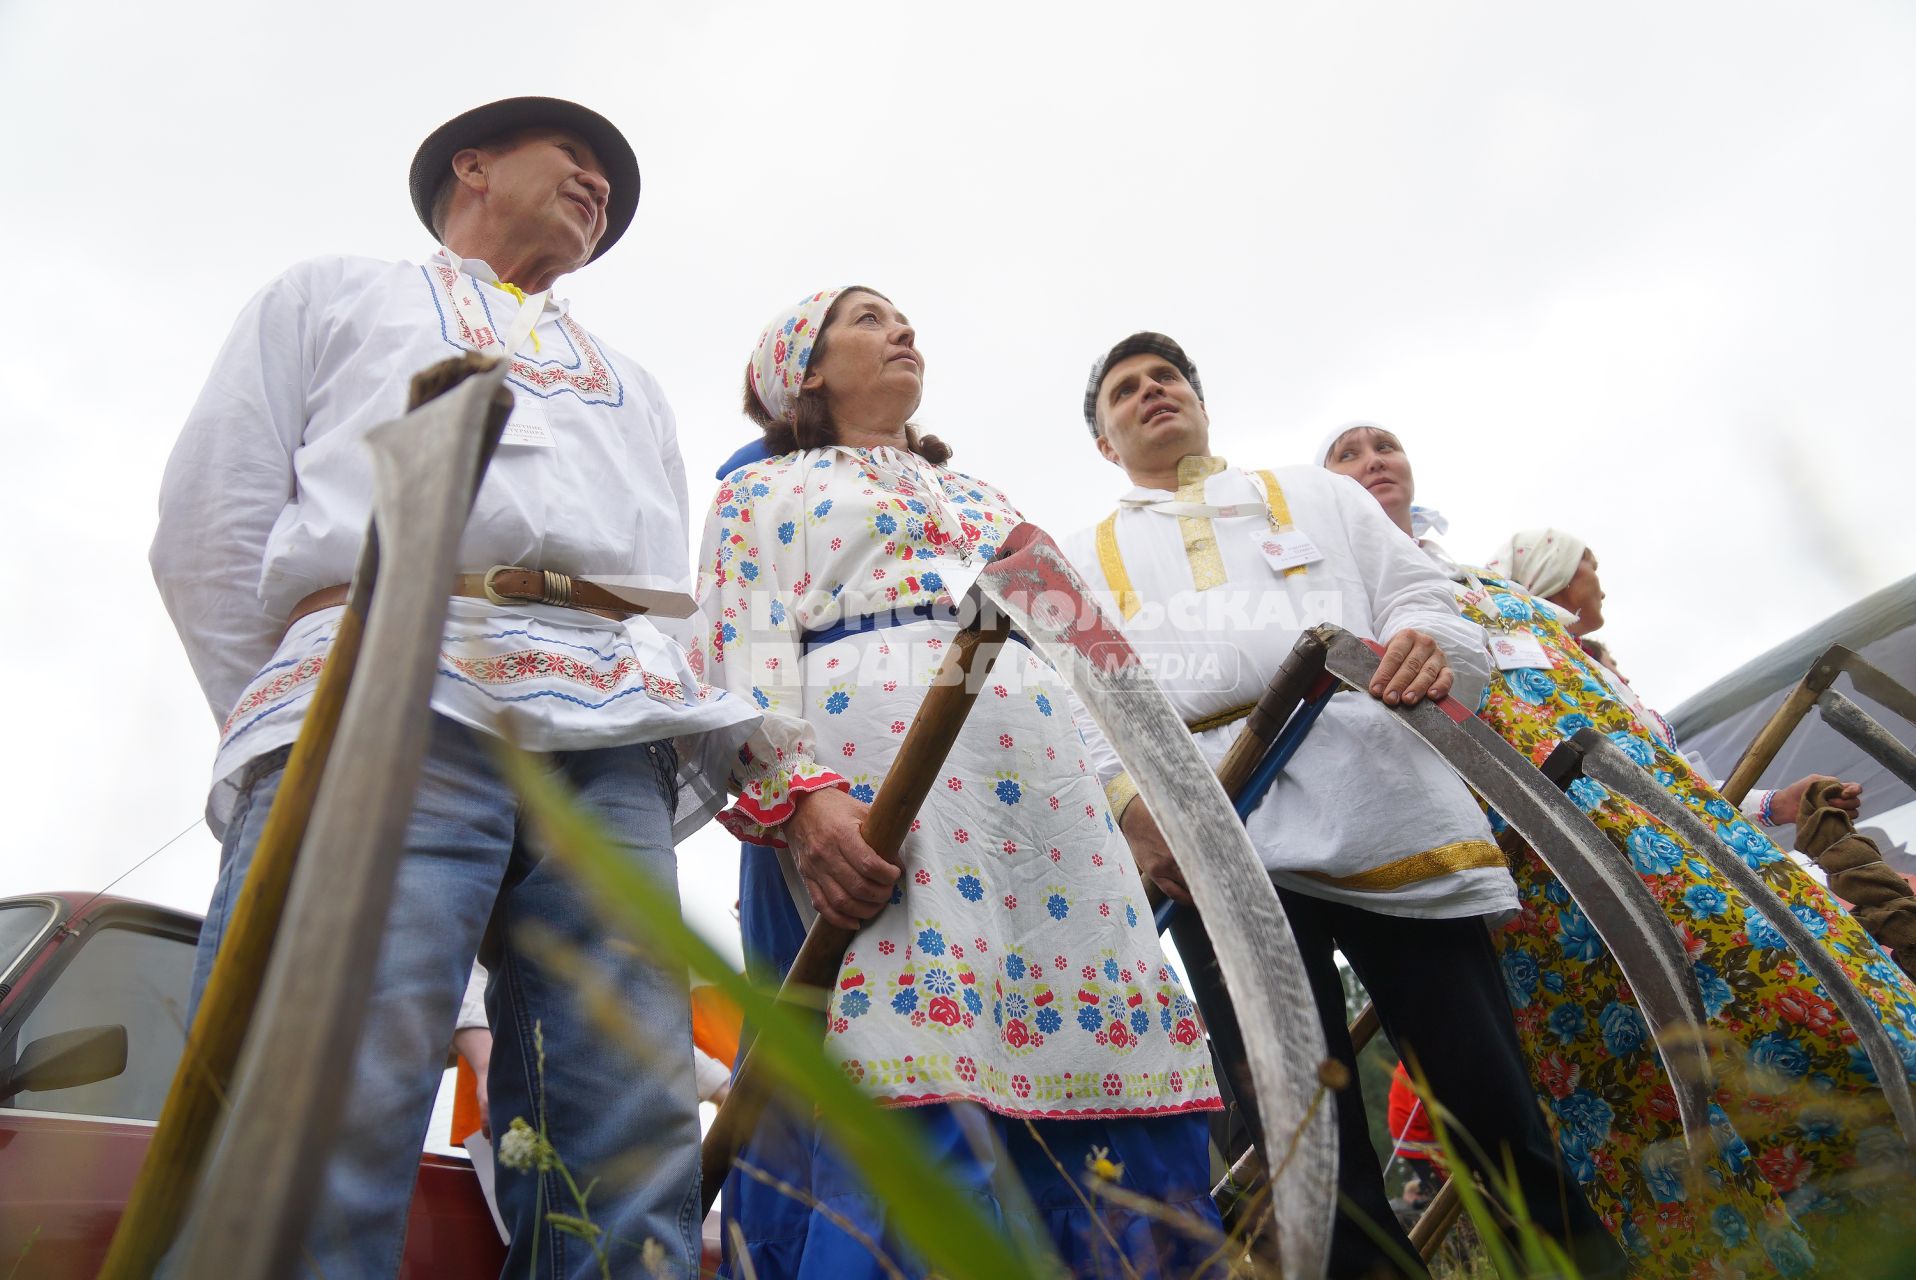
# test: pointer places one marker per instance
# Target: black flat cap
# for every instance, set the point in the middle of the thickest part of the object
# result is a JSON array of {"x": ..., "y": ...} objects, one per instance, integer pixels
[
  {"x": 1137, "y": 344},
  {"x": 432, "y": 163}
]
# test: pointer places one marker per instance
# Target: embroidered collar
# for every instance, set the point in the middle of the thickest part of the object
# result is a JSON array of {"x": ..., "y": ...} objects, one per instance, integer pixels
[
  {"x": 1193, "y": 468},
  {"x": 481, "y": 270}
]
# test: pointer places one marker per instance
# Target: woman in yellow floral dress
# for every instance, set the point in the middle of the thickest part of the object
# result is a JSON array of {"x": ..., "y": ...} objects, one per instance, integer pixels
[{"x": 1801, "y": 1123}]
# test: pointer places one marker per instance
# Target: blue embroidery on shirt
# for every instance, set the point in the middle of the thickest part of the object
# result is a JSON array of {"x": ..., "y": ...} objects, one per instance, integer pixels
[{"x": 577, "y": 362}]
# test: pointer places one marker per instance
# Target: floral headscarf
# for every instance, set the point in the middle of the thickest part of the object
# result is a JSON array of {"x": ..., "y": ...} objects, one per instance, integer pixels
[{"x": 784, "y": 349}]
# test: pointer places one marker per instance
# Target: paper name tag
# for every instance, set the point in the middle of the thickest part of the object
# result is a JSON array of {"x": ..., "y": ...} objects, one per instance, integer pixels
[
  {"x": 528, "y": 424},
  {"x": 1286, "y": 548},
  {"x": 1517, "y": 649}
]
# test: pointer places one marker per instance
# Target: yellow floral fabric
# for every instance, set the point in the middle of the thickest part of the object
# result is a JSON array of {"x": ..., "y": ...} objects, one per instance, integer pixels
[{"x": 1797, "y": 1111}]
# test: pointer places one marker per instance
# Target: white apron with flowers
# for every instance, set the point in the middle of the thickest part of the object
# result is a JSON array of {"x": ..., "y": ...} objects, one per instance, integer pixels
[{"x": 1017, "y": 965}]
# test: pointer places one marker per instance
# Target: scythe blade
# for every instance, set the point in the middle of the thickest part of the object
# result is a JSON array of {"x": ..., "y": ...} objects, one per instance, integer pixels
[
  {"x": 1605, "y": 763},
  {"x": 1033, "y": 583},
  {"x": 1605, "y": 886},
  {"x": 255, "y": 1202},
  {"x": 1873, "y": 682},
  {"x": 1861, "y": 728}
]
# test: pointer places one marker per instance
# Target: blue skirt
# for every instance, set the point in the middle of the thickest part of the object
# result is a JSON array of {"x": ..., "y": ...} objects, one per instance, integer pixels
[{"x": 1166, "y": 1159}]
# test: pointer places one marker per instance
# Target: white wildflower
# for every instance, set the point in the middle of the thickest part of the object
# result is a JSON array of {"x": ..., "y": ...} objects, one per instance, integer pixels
[{"x": 519, "y": 1146}]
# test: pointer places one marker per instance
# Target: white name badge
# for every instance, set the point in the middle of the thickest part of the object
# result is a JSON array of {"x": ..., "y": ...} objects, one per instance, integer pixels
[
  {"x": 1517, "y": 649},
  {"x": 528, "y": 425},
  {"x": 1286, "y": 548}
]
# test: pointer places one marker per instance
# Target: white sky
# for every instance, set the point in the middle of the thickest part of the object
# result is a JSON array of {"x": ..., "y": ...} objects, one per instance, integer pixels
[{"x": 1644, "y": 271}]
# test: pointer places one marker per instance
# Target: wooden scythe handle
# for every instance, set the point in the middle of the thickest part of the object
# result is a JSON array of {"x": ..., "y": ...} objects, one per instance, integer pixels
[
  {"x": 168, "y": 1176},
  {"x": 940, "y": 716},
  {"x": 1439, "y": 1216},
  {"x": 1769, "y": 740},
  {"x": 1293, "y": 681},
  {"x": 164, "y": 1188},
  {"x": 1301, "y": 669}
]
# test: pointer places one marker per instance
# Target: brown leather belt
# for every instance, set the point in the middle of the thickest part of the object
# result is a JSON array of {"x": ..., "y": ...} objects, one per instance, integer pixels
[{"x": 501, "y": 584}]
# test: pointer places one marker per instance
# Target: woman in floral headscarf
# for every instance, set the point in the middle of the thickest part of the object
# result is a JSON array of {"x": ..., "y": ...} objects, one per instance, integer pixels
[
  {"x": 1802, "y": 1122},
  {"x": 1007, "y": 970}
]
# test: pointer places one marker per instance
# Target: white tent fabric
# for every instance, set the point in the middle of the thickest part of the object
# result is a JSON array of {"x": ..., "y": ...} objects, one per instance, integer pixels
[{"x": 1720, "y": 722}]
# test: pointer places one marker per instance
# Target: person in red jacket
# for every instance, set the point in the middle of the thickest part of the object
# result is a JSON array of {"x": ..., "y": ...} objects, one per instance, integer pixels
[{"x": 1411, "y": 1135}]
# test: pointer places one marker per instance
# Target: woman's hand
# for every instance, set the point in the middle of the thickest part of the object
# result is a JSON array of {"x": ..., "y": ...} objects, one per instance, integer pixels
[
  {"x": 1413, "y": 668},
  {"x": 1789, "y": 801},
  {"x": 1149, "y": 850},
  {"x": 847, "y": 880}
]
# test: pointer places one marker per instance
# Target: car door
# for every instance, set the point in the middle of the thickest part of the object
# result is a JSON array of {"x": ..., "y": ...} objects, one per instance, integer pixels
[
  {"x": 93, "y": 1006},
  {"x": 87, "y": 1051}
]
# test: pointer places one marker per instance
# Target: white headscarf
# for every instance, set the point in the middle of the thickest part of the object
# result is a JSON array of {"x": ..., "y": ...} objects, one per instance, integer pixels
[
  {"x": 1541, "y": 561},
  {"x": 1323, "y": 455},
  {"x": 1423, "y": 520}
]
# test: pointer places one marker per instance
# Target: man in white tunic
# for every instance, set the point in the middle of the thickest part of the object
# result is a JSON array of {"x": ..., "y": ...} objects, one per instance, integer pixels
[
  {"x": 265, "y": 502},
  {"x": 1377, "y": 849}
]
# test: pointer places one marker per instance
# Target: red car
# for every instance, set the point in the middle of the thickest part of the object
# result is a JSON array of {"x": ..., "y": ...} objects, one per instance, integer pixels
[{"x": 93, "y": 997}]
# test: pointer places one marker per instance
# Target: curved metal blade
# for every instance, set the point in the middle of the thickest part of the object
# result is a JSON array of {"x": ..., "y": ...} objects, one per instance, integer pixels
[
  {"x": 1605, "y": 886},
  {"x": 1605, "y": 762},
  {"x": 1860, "y": 727},
  {"x": 1034, "y": 584},
  {"x": 1872, "y": 681}
]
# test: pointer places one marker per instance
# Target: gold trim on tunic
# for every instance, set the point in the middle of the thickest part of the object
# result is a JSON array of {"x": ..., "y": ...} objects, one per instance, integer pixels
[
  {"x": 1112, "y": 562},
  {"x": 1200, "y": 533},
  {"x": 1463, "y": 855}
]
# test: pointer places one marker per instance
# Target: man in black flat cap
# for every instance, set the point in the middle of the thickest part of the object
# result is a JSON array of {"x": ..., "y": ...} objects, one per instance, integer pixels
[{"x": 262, "y": 510}]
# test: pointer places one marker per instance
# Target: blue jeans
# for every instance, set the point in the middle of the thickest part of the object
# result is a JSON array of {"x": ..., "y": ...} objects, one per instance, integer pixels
[{"x": 469, "y": 859}]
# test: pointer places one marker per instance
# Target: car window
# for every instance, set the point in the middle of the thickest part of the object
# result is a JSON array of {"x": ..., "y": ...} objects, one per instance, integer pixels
[
  {"x": 125, "y": 976},
  {"x": 20, "y": 924}
]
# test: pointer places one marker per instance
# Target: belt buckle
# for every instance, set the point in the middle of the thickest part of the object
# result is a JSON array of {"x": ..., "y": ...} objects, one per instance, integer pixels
[
  {"x": 491, "y": 592},
  {"x": 554, "y": 588}
]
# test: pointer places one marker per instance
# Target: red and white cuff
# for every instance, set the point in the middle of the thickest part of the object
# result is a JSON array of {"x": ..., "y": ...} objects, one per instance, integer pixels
[{"x": 763, "y": 807}]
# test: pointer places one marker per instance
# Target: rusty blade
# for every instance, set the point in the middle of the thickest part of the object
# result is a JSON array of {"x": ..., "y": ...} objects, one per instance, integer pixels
[
  {"x": 1856, "y": 724},
  {"x": 1606, "y": 888},
  {"x": 1605, "y": 763},
  {"x": 1033, "y": 583},
  {"x": 1873, "y": 682}
]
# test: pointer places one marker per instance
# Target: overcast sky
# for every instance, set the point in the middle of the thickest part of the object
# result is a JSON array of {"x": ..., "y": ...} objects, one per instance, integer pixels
[{"x": 1642, "y": 271}]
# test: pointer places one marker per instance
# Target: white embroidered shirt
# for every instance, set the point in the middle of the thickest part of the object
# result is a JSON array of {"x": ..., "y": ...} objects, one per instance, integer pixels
[{"x": 267, "y": 497}]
